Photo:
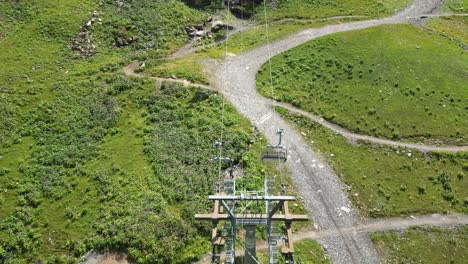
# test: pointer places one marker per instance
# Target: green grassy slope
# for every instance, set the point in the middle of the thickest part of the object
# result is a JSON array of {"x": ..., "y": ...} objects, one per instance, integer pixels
[
  {"x": 87, "y": 156},
  {"x": 305, "y": 251},
  {"x": 93, "y": 160},
  {"x": 423, "y": 245},
  {"x": 451, "y": 27},
  {"x": 393, "y": 81},
  {"x": 386, "y": 181},
  {"x": 458, "y": 6},
  {"x": 190, "y": 69},
  {"x": 316, "y": 9}
]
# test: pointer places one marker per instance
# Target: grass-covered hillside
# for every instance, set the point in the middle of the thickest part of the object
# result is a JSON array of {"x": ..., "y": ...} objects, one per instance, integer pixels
[
  {"x": 283, "y": 17},
  {"x": 423, "y": 245},
  {"x": 93, "y": 160},
  {"x": 387, "y": 181},
  {"x": 457, "y": 6},
  {"x": 395, "y": 81},
  {"x": 316, "y": 8}
]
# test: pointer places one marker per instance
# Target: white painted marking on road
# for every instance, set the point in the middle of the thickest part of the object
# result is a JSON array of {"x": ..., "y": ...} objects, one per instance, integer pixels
[{"x": 265, "y": 118}]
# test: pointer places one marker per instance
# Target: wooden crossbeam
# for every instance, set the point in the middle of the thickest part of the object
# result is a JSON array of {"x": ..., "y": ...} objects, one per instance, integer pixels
[{"x": 276, "y": 208}]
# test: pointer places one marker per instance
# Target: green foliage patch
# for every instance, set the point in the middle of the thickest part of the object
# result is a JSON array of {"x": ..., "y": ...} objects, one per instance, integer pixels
[
  {"x": 318, "y": 9},
  {"x": 189, "y": 68},
  {"x": 450, "y": 27},
  {"x": 79, "y": 155},
  {"x": 394, "y": 81},
  {"x": 387, "y": 181},
  {"x": 305, "y": 251},
  {"x": 423, "y": 245},
  {"x": 457, "y": 6}
]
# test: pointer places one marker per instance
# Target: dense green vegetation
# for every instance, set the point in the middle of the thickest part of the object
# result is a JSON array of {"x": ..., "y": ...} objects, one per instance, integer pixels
[
  {"x": 90, "y": 159},
  {"x": 93, "y": 160},
  {"x": 318, "y": 9},
  {"x": 189, "y": 66},
  {"x": 450, "y": 27},
  {"x": 423, "y": 245},
  {"x": 458, "y": 6},
  {"x": 386, "y": 181},
  {"x": 380, "y": 81},
  {"x": 305, "y": 251}
]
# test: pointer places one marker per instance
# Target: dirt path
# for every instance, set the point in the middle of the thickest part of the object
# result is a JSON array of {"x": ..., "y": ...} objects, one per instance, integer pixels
[
  {"x": 381, "y": 141},
  {"x": 372, "y": 226},
  {"x": 130, "y": 70},
  {"x": 344, "y": 235},
  {"x": 319, "y": 186},
  {"x": 380, "y": 225}
]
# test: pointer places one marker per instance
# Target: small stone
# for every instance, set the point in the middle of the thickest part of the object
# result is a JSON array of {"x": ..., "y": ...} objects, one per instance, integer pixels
[
  {"x": 345, "y": 209},
  {"x": 199, "y": 33}
]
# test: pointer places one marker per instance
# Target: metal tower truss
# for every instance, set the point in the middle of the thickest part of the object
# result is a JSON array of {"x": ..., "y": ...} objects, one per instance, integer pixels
[{"x": 235, "y": 208}]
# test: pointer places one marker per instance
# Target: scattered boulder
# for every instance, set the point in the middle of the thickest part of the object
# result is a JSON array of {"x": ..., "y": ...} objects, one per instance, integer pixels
[
  {"x": 83, "y": 43},
  {"x": 190, "y": 31},
  {"x": 122, "y": 39},
  {"x": 200, "y": 31},
  {"x": 217, "y": 25},
  {"x": 119, "y": 3},
  {"x": 199, "y": 27}
]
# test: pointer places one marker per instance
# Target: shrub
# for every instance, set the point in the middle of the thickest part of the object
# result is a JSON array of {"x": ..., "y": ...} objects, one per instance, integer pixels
[{"x": 421, "y": 189}]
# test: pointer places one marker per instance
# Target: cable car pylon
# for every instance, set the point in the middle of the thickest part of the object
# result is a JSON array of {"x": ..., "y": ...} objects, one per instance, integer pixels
[{"x": 233, "y": 207}]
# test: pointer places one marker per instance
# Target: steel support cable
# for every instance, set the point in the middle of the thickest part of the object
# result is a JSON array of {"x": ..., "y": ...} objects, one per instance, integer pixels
[
  {"x": 272, "y": 89},
  {"x": 244, "y": 244},
  {"x": 222, "y": 97},
  {"x": 269, "y": 51},
  {"x": 279, "y": 132}
]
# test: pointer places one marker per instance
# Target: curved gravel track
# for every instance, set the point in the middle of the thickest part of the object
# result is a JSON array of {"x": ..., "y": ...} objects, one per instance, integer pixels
[
  {"x": 380, "y": 225},
  {"x": 130, "y": 71},
  {"x": 344, "y": 235},
  {"x": 319, "y": 186},
  {"x": 381, "y": 141}
]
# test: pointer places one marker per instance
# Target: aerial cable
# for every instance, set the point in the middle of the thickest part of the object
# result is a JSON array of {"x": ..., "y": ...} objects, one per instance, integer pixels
[
  {"x": 269, "y": 51},
  {"x": 272, "y": 91},
  {"x": 220, "y": 149}
]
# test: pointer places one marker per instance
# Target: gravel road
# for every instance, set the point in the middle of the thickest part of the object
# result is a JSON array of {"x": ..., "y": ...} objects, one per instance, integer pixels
[{"x": 319, "y": 186}]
